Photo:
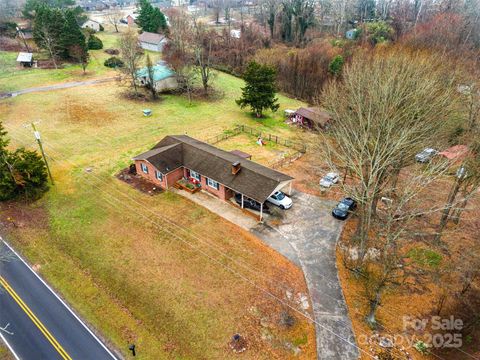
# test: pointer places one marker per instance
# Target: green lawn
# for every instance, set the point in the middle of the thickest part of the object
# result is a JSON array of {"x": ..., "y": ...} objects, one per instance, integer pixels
[
  {"x": 15, "y": 78},
  {"x": 113, "y": 252}
]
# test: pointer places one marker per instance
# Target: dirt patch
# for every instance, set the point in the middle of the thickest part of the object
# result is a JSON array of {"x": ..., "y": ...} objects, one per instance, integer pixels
[
  {"x": 138, "y": 182},
  {"x": 90, "y": 113},
  {"x": 19, "y": 215}
]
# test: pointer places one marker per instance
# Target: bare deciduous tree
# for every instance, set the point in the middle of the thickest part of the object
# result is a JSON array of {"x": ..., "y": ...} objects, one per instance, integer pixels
[
  {"x": 388, "y": 106},
  {"x": 202, "y": 52},
  {"x": 131, "y": 53},
  {"x": 113, "y": 17}
]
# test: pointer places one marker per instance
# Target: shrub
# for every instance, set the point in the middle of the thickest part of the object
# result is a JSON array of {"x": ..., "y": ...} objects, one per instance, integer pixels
[
  {"x": 425, "y": 257},
  {"x": 113, "y": 62},
  {"x": 336, "y": 65},
  {"x": 94, "y": 43},
  {"x": 102, "y": 28},
  {"x": 112, "y": 51}
]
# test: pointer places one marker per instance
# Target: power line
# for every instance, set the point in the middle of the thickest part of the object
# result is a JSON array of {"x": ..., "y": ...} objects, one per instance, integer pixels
[
  {"x": 224, "y": 254},
  {"x": 242, "y": 276}
]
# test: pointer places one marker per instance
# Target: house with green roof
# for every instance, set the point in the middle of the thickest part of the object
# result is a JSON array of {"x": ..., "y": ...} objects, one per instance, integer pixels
[{"x": 163, "y": 77}]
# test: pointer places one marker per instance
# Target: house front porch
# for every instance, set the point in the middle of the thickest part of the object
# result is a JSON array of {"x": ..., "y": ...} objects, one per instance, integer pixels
[{"x": 225, "y": 209}]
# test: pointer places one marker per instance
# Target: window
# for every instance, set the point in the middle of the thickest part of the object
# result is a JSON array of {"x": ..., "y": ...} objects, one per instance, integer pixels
[
  {"x": 212, "y": 183},
  {"x": 158, "y": 175},
  {"x": 195, "y": 175},
  {"x": 144, "y": 168}
]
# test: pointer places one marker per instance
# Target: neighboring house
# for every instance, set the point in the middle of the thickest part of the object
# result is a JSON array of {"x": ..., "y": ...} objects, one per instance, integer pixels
[
  {"x": 130, "y": 19},
  {"x": 152, "y": 41},
  {"x": 218, "y": 172},
  {"x": 93, "y": 5},
  {"x": 312, "y": 118},
  {"x": 163, "y": 77},
  {"x": 351, "y": 34},
  {"x": 25, "y": 59},
  {"x": 92, "y": 24}
]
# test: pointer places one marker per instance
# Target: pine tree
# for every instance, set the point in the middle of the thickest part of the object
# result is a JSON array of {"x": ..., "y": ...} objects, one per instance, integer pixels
[
  {"x": 259, "y": 92},
  {"x": 150, "y": 19},
  {"x": 22, "y": 172},
  {"x": 47, "y": 31},
  {"x": 72, "y": 35}
]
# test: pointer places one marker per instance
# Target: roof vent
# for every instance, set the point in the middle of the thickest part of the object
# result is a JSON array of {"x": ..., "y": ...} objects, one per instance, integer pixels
[{"x": 236, "y": 167}]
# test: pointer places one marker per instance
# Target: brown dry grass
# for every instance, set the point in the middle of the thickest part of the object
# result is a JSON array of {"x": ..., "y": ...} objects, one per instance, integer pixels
[{"x": 106, "y": 246}]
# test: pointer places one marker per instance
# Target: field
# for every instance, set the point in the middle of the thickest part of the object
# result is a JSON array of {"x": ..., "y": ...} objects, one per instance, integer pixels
[
  {"x": 16, "y": 78},
  {"x": 157, "y": 271}
]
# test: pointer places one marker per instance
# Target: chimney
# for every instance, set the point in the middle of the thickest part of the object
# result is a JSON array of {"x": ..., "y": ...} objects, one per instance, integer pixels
[{"x": 236, "y": 167}]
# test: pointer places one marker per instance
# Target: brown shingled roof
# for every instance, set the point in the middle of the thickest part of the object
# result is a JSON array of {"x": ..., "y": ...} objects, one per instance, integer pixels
[
  {"x": 151, "y": 38},
  {"x": 316, "y": 115},
  {"x": 253, "y": 180}
]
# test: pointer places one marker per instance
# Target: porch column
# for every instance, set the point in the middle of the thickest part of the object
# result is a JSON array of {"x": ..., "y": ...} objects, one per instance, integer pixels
[
  {"x": 242, "y": 201},
  {"x": 261, "y": 211},
  {"x": 290, "y": 188}
]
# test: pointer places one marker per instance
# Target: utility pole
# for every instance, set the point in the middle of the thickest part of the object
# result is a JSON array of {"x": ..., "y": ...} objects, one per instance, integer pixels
[
  {"x": 20, "y": 32},
  {"x": 39, "y": 140}
]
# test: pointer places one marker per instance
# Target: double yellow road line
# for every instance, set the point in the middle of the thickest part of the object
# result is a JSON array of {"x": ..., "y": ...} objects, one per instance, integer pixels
[{"x": 34, "y": 319}]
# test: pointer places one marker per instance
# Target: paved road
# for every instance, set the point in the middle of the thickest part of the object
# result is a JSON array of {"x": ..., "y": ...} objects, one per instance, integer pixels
[
  {"x": 35, "y": 323},
  {"x": 55, "y": 87},
  {"x": 307, "y": 234}
]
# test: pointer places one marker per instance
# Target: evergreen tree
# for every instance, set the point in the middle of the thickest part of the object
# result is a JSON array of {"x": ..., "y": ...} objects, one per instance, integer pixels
[
  {"x": 336, "y": 65},
  {"x": 72, "y": 35},
  {"x": 47, "y": 30},
  {"x": 22, "y": 172},
  {"x": 259, "y": 92},
  {"x": 150, "y": 19}
]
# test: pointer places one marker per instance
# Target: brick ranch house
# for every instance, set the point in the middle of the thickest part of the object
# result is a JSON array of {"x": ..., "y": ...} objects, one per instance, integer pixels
[{"x": 218, "y": 172}]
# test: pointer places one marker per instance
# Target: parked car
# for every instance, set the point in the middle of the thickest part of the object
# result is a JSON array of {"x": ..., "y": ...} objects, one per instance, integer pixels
[
  {"x": 344, "y": 208},
  {"x": 329, "y": 179},
  {"x": 281, "y": 200},
  {"x": 425, "y": 155},
  {"x": 250, "y": 204}
]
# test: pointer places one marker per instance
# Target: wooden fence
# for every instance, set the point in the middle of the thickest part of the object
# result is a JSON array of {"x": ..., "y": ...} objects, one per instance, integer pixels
[{"x": 300, "y": 147}]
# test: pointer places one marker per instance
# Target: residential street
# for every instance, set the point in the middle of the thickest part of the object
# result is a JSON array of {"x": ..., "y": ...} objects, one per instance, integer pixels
[
  {"x": 307, "y": 235},
  {"x": 35, "y": 323}
]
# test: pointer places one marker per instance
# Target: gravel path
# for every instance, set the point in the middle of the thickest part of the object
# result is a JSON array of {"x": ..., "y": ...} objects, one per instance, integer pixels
[{"x": 66, "y": 85}]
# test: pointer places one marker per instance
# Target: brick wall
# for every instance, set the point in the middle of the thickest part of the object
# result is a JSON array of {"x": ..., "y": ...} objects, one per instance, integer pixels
[
  {"x": 168, "y": 180},
  {"x": 223, "y": 192}
]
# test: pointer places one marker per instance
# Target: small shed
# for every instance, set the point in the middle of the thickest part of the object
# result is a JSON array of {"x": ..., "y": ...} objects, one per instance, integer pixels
[
  {"x": 351, "y": 34},
  {"x": 152, "y": 41},
  {"x": 25, "y": 59},
  {"x": 312, "y": 118},
  {"x": 91, "y": 24},
  {"x": 130, "y": 19}
]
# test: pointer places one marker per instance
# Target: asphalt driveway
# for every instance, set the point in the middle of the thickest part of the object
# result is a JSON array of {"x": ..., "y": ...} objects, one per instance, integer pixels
[{"x": 307, "y": 235}]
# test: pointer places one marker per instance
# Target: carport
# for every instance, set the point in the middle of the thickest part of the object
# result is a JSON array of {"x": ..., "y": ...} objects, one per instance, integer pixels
[{"x": 286, "y": 184}]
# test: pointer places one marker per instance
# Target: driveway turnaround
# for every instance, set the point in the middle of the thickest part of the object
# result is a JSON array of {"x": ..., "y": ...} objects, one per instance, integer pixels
[
  {"x": 35, "y": 323},
  {"x": 307, "y": 235}
]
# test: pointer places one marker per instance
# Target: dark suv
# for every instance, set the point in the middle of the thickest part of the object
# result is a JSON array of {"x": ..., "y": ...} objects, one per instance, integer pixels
[
  {"x": 344, "y": 208},
  {"x": 250, "y": 204}
]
